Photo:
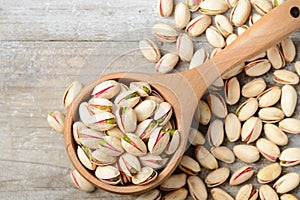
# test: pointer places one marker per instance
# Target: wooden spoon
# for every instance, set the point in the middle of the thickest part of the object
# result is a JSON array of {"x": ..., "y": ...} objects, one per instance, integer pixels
[{"x": 183, "y": 90}]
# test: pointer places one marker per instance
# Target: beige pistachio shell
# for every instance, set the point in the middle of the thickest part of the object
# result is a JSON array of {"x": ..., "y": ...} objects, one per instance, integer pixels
[
  {"x": 268, "y": 149},
  {"x": 214, "y": 37},
  {"x": 288, "y": 196},
  {"x": 223, "y": 25},
  {"x": 145, "y": 109},
  {"x": 127, "y": 98},
  {"x": 246, "y": 153},
  {"x": 189, "y": 166},
  {"x": 220, "y": 194},
  {"x": 205, "y": 158},
  {"x": 287, "y": 183},
  {"x": 215, "y": 133},
  {"x": 217, "y": 105},
  {"x": 80, "y": 182},
  {"x": 155, "y": 96},
  {"x": 174, "y": 141},
  {"x": 247, "y": 192},
  {"x": 179, "y": 194},
  {"x": 232, "y": 127},
  {"x": 266, "y": 192},
  {"x": 100, "y": 158},
  {"x": 275, "y": 57},
  {"x": 270, "y": 114},
  {"x": 240, "y": 13},
  {"x": 290, "y": 157},
  {"x": 257, "y": 67},
  {"x": 174, "y": 182},
  {"x": 231, "y": 3},
  {"x": 232, "y": 91},
  {"x": 251, "y": 130},
  {"x": 185, "y": 47},
  {"x": 288, "y": 100},
  {"x": 231, "y": 38},
  {"x": 107, "y": 89},
  {"x": 83, "y": 156},
  {"x": 56, "y": 120},
  {"x": 247, "y": 109},
  {"x": 223, "y": 154},
  {"x": 290, "y": 125},
  {"x": 215, "y": 52},
  {"x": 288, "y": 49},
  {"x": 242, "y": 29},
  {"x": 204, "y": 113},
  {"x": 149, "y": 49},
  {"x": 234, "y": 71},
  {"x": 254, "y": 87},
  {"x": 146, "y": 175},
  {"x": 111, "y": 145},
  {"x": 213, "y": 7},
  {"x": 284, "y": 76},
  {"x": 198, "y": 25},
  {"x": 158, "y": 141},
  {"x": 71, "y": 92},
  {"x": 98, "y": 105},
  {"x": 115, "y": 132},
  {"x": 254, "y": 18},
  {"x": 145, "y": 128},
  {"x": 269, "y": 97},
  {"x": 197, "y": 188},
  {"x": 297, "y": 67},
  {"x": 275, "y": 134},
  {"x": 218, "y": 84},
  {"x": 167, "y": 63},
  {"x": 163, "y": 113},
  {"x": 129, "y": 164},
  {"x": 165, "y": 7},
  {"x": 126, "y": 119},
  {"x": 133, "y": 144},
  {"x": 262, "y": 6},
  {"x": 193, "y": 5},
  {"x": 257, "y": 57},
  {"x": 182, "y": 15},
  {"x": 196, "y": 138},
  {"x": 108, "y": 174},
  {"x": 153, "y": 161},
  {"x": 269, "y": 173},
  {"x": 90, "y": 138},
  {"x": 77, "y": 127},
  {"x": 217, "y": 177},
  {"x": 241, "y": 175},
  {"x": 164, "y": 32},
  {"x": 154, "y": 194},
  {"x": 199, "y": 57}
]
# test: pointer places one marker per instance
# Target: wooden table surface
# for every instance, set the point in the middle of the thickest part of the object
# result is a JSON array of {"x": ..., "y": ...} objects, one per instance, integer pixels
[{"x": 45, "y": 45}]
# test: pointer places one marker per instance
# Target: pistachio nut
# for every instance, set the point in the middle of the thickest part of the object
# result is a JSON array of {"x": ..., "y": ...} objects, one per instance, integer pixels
[
  {"x": 164, "y": 32},
  {"x": 145, "y": 128},
  {"x": 223, "y": 154},
  {"x": 80, "y": 182},
  {"x": 167, "y": 63},
  {"x": 56, "y": 121},
  {"x": 262, "y": 6},
  {"x": 154, "y": 194},
  {"x": 174, "y": 182},
  {"x": 196, "y": 138},
  {"x": 266, "y": 192},
  {"x": 77, "y": 127},
  {"x": 97, "y": 105},
  {"x": 285, "y": 77},
  {"x": 198, "y": 25},
  {"x": 115, "y": 132},
  {"x": 242, "y": 29},
  {"x": 155, "y": 96},
  {"x": 85, "y": 113},
  {"x": 290, "y": 125},
  {"x": 143, "y": 89},
  {"x": 246, "y": 153},
  {"x": 101, "y": 121},
  {"x": 107, "y": 89},
  {"x": 213, "y": 7},
  {"x": 126, "y": 119},
  {"x": 193, "y": 5},
  {"x": 254, "y": 18},
  {"x": 241, "y": 175},
  {"x": 251, "y": 130},
  {"x": 257, "y": 67},
  {"x": 83, "y": 154},
  {"x": 275, "y": 135},
  {"x": 247, "y": 192},
  {"x": 257, "y": 56},
  {"x": 223, "y": 25},
  {"x": 288, "y": 197},
  {"x": 217, "y": 105},
  {"x": 254, "y": 87},
  {"x": 90, "y": 138},
  {"x": 128, "y": 98},
  {"x": 297, "y": 67},
  {"x": 231, "y": 38},
  {"x": 232, "y": 90},
  {"x": 182, "y": 15},
  {"x": 133, "y": 144},
  {"x": 270, "y": 114},
  {"x": 199, "y": 57},
  {"x": 214, "y": 37},
  {"x": 174, "y": 141},
  {"x": 234, "y": 71},
  {"x": 100, "y": 158},
  {"x": 215, "y": 52},
  {"x": 215, "y": 133},
  {"x": 275, "y": 57},
  {"x": 123, "y": 87},
  {"x": 220, "y": 194},
  {"x": 111, "y": 145},
  {"x": 287, "y": 183},
  {"x": 268, "y": 149},
  {"x": 269, "y": 97},
  {"x": 247, "y": 109},
  {"x": 189, "y": 166},
  {"x": 205, "y": 158},
  {"x": 163, "y": 113},
  {"x": 129, "y": 164},
  {"x": 288, "y": 49},
  {"x": 71, "y": 92},
  {"x": 149, "y": 49},
  {"x": 231, "y": 3},
  {"x": 146, "y": 175},
  {"x": 185, "y": 47},
  {"x": 240, "y": 12},
  {"x": 179, "y": 194},
  {"x": 232, "y": 127},
  {"x": 145, "y": 109},
  {"x": 269, "y": 173},
  {"x": 288, "y": 100},
  {"x": 158, "y": 141},
  {"x": 290, "y": 157},
  {"x": 155, "y": 162},
  {"x": 204, "y": 113},
  {"x": 108, "y": 174},
  {"x": 217, "y": 177},
  {"x": 165, "y": 7},
  {"x": 218, "y": 84},
  {"x": 197, "y": 188}
]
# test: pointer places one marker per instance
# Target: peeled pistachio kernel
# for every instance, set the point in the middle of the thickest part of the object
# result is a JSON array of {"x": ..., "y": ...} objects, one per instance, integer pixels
[
  {"x": 223, "y": 154},
  {"x": 71, "y": 93},
  {"x": 185, "y": 47},
  {"x": 80, "y": 182},
  {"x": 254, "y": 87},
  {"x": 261, "y": 6},
  {"x": 257, "y": 67},
  {"x": 217, "y": 105},
  {"x": 240, "y": 13},
  {"x": 223, "y": 25},
  {"x": 269, "y": 173},
  {"x": 287, "y": 183},
  {"x": 232, "y": 127},
  {"x": 268, "y": 149},
  {"x": 247, "y": 109},
  {"x": 286, "y": 77},
  {"x": 167, "y": 63},
  {"x": 290, "y": 157},
  {"x": 205, "y": 158},
  {"x": 232, "y": 91},
  {"x": 288, "y": 49},
  {"x": 219, "y": 194},
  {"x": 269, "y": 97},
  {"x": 275, "y": 57},
  {"x": 214, "y": 37},
  {"x": 198, "y": 25},
  {"x": 290, "y": 125},
  {"x": 164, "y": 32},
  {"x": 241, "y": 175},
  {"x": 56, "y": 121},
  {"x": 149, "y": 50},
  {"x": 251, "y": 130},
  {"x": 193, "y": 5},
  {"x": 247, "y": 192},
  {"x": 165, "y": 7},
  {"x": 197, "y": 188},
  {"x": 288, "y": 100},
  {"x": 217, "y": 177},
  {"x": 179, "y": 194},
  {"x": 189, "y": 166},
  {"x": 174, "y": 182},
  {"x": 182, "y": 15},
  {"x": 213, "y": 7},
  {"x": 274, "y": 134},
  {"x": 288, "y": 197},
  {"x": 266, "y": 192},
  {"x": 246, "y": 153}
]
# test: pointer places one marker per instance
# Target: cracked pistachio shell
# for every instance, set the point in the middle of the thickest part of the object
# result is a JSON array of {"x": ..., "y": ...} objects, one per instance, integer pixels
[
  {"x": 129, "y": 164},
  {"x": 275, "y": 57},
  {"x": 149, "y": 50},
  {"x": 270, "y": 114},
  {"x": 155, "y": 96},
  {"x": 174, "y": 182},
  {"x": 288, "y": 100},
  {"x": 182, "y": 15},
  {"x": 154, "y": 194},
  {"x": 217, "y": 105},
  {"x": 213, "y": 7},
  {"x": 269, "y": 173},
  {"x": 290, "y": 125},
  {"x": 174, "y": 141},
  {"x": 266, "y": 192},
  {"x": 241, "y": 175},
  {"x": 189, "y": 166},
  {"x": 204, "y": 113},
  {"x": 254, "y": 87},
  {"x": 108, "y": 174},
  {"x": 97, "y": 105},
  {"x": 257, "y": 67},
  {"x": 143, "y": 89},
  {"x": 242, "y": 29},
  {"x": 205, "y": 158},
  {"x": 287, "y": 183},
  {"x": 146, "y": 175},
  {"x": 268, "y": 149},
  {"x": 197, "y": 188},
  {"x": 158, "y": 141},
  {"x": 215, "y": 133},
  {"x": 196, "y": 138},
  {"x": 85, "y": 113},
  {"x": 217, "y": 177},
  {"x": 71, "y": 92},
  {"x": 251, "y": 129},
  {"x": 163, "y": 113},
  {"x": 56, "y": 121},
  {"x": 83, "y": 156},
  {"x": 111, "y": 145},
  {"x": 218, "y": 84},
  {"x": 247, "y": 192},
  {"x": 193, "y": 5},
  {"x": 77, "y": 127},
  {"x": 107, "y": 89},
  {"x": 126, "y": 119},
  {"x": 275, "y": 135},
  {"x": 167, "y": 63},
  {"x": 232, "y": 127},
  {"x": 133, "y": 145},
  {"x": 288, "y": 197},
  {"x": 220, "y": 194},
  {"x": 155, "y": 162},
  {"x": 185, "y": 47},
  {"x": 223, "y": 154},
  {"x": 283, "y": 76},
  {"x": 214, "y": 37},
  {"x": 231, "y": 38},
  {"x": 145, "y": 109},
  {"x": 247, "y": 109},
  {"x": 179, "y": 194},
  {"x": 254, "y": 18},
  {"x": 288, "y": 49},
  {"x": 234, "y": 71},
  {"x": 90, "y": 138},
  {"x": 261, "y": 6},
  {"x": 145, "y": 128},
  {"x": 127, "y": 99},
  {"x": 80, "y": 182},
  {"x": 232, "y": 90},
  {"x": 165, "y": 7},
  {"x": 115, "y": 132},
  {"x": 223, "y": 25},
  {"x": 199, "y": 57},
  {"x": 290, "y": 157},
  {"x": 198, "y": 25},
  {"x": 246, "y": 153},
  {"x": 100, "y": 158},
  {"x": 269, "y": 97},
  {"x": 240, "y": 12},
  {"x": 164, "y": 32}
]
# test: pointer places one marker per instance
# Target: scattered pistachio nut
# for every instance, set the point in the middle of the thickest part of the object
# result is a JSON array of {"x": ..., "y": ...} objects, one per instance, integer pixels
[
  {"x": 266, "y": 192},
  {"x": 247, "y": 109},
  {"x": 217, "y": 177},
  {"x": 288, "y": 100},
  {"x": 217, "y": 105},
  {"x": 241, "y": 175},
  {"x": 232, "y": 90},
  {"x": 288, "y": 49},
  {"x": 71, "y": 92},
  {"x": 213, "y": 7},
  {"x": 80, "y": 182},
  {"x": 269, "y": 173},
  {"x": 193, "y": 5},
  {"x": 197, "y": 188},
  {"x": 214, "y": 37},
  {"x": 199, "y": 57},
  {"x": 205, "y": 158},
  {"x": 270, "y": 114},
  {"x": 174, "y": 182},
  {"x": 167, "y": 63},
  {"x": 56, "y": 121},
  {"x": 254, "y": 87},
  {"x": 233, "y": 127},
  {"x": 165, "y": 7},
  {"x": 164, "y": 32},
  {"x": 198, "y": 25},
  {"x": 240, "y": 12},
  {"x": 287, "y": 183},
  {"x": 215, "y": 133},
  {"x": 275, "y": 57},
  {"x": 290, "y": 125},
  {"x": 290, "y": 157},
  {"x": 223, "y": 24},
  {"x": 152, "y": 194},
  {"x": 149, "y": 49},
  {"x": 269, "y": 97},
  {"x": 220, "y": 194},
  {"x": 268, "y": 149},
  {"x": 288, "y": 196},
  {"x": 251, "y": 130},
  {"x": 185, "y": 47},
  {"x": 246, "y": 153},
  {"x": 179, "y": 194},
  {"x": 257, "y": 67},
  {"x": 262, "y": 6},
  {"x": 284, "y": 76},
  {"x": 247, "y": 192},
  {"x": 275, "y": 134},
  {"x": 189, "y": 166},
  {"x": 196, "y": 138},
  {"x": 204, "y": 112},
  {"x": 223, "y": 154},
  {"x": 182, "y": 15}
]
